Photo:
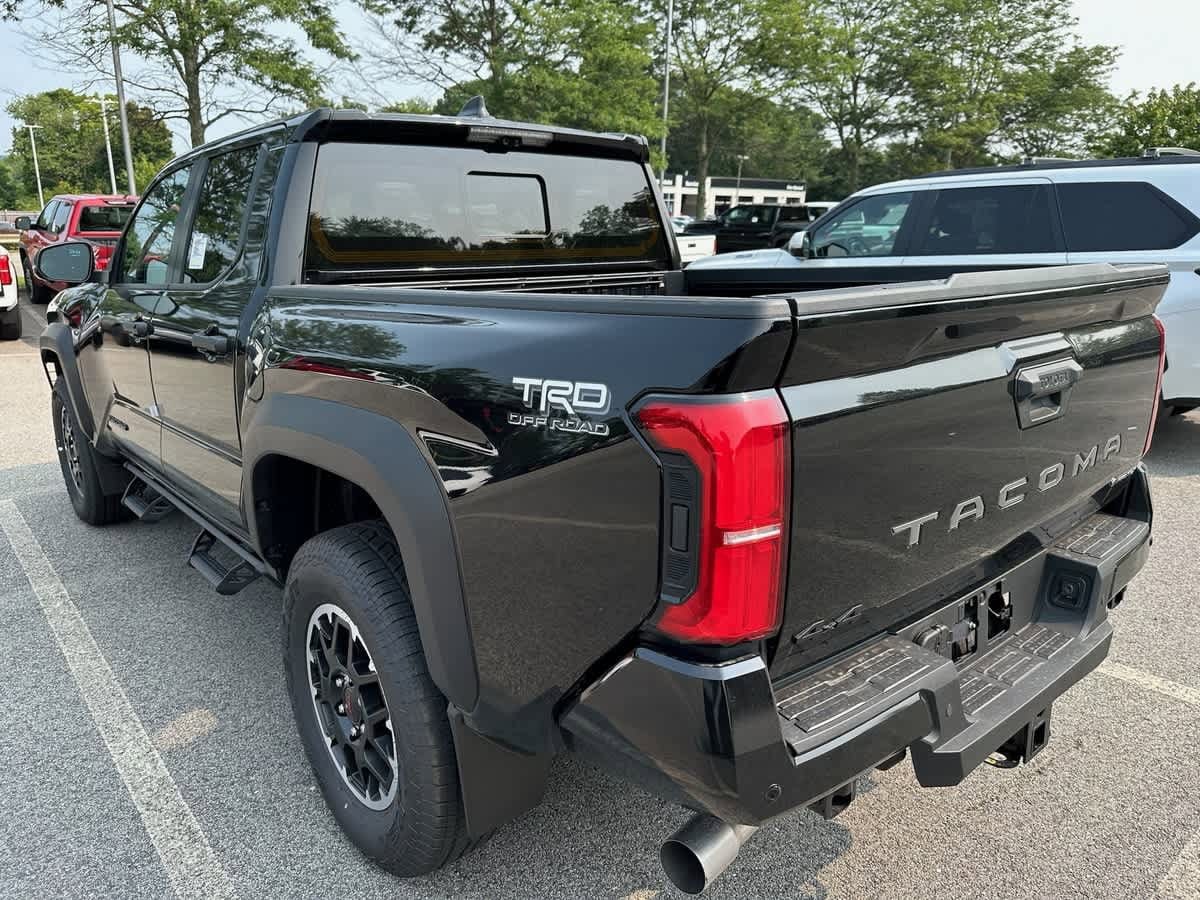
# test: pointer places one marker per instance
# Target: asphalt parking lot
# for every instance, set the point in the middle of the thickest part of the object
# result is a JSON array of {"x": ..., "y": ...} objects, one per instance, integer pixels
[{"x": 147, "y": 746}]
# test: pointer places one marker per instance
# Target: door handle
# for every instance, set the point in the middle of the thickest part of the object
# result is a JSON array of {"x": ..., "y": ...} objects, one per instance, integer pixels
[
  {"x": 211, "y": 341},
  {"x": 1041, "y": 392}
]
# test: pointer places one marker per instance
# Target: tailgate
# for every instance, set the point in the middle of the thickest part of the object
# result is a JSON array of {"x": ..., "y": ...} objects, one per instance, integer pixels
[{"x": 945, "y": 431}]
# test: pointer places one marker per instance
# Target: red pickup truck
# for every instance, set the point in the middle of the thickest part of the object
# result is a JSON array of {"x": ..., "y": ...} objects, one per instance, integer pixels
[{"x": 97, "y": 219}]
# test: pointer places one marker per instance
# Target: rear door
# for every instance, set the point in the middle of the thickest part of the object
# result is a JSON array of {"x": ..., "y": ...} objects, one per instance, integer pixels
[{"x": 194, "y": 344}]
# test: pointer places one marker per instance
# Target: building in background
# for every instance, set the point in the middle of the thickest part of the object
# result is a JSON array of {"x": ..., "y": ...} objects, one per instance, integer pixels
[{"x": 681, "y": 192}]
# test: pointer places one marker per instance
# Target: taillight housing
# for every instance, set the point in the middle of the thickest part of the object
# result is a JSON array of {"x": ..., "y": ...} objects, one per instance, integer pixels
[
  {"x": 1162, "y": 366},
  {"x": 6, "y": 276},
  {"x": 725, "y": 463},
  {"x": 101, "y": 253}
]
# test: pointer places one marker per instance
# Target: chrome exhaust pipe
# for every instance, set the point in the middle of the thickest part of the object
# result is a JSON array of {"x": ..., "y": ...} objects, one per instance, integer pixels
[{"x": 701, "y": 850}]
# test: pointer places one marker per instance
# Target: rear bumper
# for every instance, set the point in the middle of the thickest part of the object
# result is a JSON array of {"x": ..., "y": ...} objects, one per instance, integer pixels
[{"x": 724, "y": 739}]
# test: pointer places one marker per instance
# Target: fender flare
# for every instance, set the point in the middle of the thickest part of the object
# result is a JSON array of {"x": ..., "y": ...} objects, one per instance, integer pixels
[
  {"x": 57, "y": 343},
  {"x": 380, "y": 456}
]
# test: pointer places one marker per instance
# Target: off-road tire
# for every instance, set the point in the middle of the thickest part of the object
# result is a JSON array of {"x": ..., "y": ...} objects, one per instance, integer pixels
[
  {"x": 77, "y": 458},
  {"x": 38, "y": 293},
  {"x": 358, "y": 568}
]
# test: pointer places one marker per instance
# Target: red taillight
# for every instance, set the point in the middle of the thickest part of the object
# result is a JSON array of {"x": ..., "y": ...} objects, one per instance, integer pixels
[
  {"x": 738, "y": 446},
  {"x": 1162, "y": 365},
  {"x": 5, "y": 270},
  {"x": 101, "y": 253}
]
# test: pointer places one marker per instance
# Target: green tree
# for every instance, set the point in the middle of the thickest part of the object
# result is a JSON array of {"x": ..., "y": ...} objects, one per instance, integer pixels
[
  {"x": 582, "y": 63},
  {"x": 71, "y": 150},
  {"x": 713, "y": 67},
  {"x": 8, "y": 187},
  {"x": 983, "y": 77},
  {"x": 779, "y": 141},
  {"x": 205, "y": 60},
  {"x": 843, "y": 59},
  {"x": 1163, "y": 118}
]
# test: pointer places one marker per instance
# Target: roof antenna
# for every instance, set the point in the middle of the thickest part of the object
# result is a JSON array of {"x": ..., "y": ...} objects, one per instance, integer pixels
[{"x": 474, "y": 108}]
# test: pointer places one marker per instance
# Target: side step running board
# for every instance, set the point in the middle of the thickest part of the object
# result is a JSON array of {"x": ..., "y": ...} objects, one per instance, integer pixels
[
  {"x": 146, "y": 503},
  {"x": 224, "y": 579},
  {"x": 150, "y": 499}
]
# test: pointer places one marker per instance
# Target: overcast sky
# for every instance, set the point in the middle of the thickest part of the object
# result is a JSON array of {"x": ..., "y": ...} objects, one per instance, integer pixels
[{"x": 1158, "y": 39}]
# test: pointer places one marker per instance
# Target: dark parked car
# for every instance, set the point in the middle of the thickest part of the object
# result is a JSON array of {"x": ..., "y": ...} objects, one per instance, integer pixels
[
  {"x": 531, "y": 489},
  {"x": 755, "y": 226},
  {"x": 96, "y": 219}
]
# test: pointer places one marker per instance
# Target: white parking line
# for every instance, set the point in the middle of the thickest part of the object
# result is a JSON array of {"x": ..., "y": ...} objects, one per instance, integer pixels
[
  {"x": 187, "y": 857},
  {"x": 1174, "y": 689},
  {"x": 1182, "y": 882}
]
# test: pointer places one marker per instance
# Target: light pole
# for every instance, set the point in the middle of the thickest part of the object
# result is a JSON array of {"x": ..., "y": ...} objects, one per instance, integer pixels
[
  {"x": 37, "y": 171},
  {"x": 741, "y": 158},
  {"x": 112, "y": 34},
  {"x": 666, "y": 87},
  {"x": 112, "y": 174}
]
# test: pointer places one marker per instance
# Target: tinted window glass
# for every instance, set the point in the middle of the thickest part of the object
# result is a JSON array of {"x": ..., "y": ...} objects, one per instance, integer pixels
[
  {"x": 220, "y": 208},
  {"x": 752, "y": 215},
  {"x": 385, "y": 207},
  {"x": 107, "y": 217},
  {"x": 868, "y": 228},
  {"x": 60, "y": 217},
  {"x": 148, "y": 240},
  {"x": 1124, "y": 215},
  {"x": 1008, "y": 219},
  {"x": 47, "y": 214}
]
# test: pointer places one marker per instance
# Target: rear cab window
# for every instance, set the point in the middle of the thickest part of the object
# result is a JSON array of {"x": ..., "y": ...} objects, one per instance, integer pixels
[
  {"x": 382, "y": 209},
  {"x": 103, "y": 218}
]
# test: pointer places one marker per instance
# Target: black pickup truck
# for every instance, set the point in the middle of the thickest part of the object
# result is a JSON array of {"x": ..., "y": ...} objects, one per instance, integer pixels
[
  {"x": 531, "y": 489},
  {"x": 754, "y": 226}
]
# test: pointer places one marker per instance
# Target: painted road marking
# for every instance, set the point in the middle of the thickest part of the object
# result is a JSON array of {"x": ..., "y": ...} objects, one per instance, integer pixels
[
  {"x": 187, "y": 857},
  {"x": 1182, "y": 882},
  {"x": 1162, "y": 686}
]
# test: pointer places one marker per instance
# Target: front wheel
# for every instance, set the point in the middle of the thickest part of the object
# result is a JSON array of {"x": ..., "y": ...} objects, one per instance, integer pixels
[
  {"x": 38, "y": 293},
  {"x": 373, "y": 723},
  {"x": 77, "y": 458}
]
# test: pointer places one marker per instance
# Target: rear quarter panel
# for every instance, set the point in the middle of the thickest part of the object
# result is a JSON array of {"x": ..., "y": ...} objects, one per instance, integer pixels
[{"x": 556, "y": 529}]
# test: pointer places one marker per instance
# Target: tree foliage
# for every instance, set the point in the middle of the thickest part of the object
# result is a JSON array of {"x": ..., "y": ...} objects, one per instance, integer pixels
[
  {"x": 581, "y": 63},
  {"x": 70, "y": 144},
  {"x": 1163, "y": 118},
  {"x": 202, "y": 60}
]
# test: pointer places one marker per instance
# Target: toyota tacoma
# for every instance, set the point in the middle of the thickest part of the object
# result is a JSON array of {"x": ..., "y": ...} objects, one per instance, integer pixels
[{"x": 529, "y": 488}]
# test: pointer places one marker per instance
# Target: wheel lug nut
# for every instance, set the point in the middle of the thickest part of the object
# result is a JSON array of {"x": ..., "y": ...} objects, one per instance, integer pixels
[
  {"x": 355, "y": 731},
  {"x": 339, "y": 681},
  {"x": 341, "y": 709}
]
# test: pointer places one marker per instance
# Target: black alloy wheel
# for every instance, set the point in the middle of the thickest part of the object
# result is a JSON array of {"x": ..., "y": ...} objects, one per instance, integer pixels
[{"x": 351, "y": 707}]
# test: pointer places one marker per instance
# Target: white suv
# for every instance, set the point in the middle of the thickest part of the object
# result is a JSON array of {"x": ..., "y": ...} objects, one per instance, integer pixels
[{"x": 1051, "y": 212}]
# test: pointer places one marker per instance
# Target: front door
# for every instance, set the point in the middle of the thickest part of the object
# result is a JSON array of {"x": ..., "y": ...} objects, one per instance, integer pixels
[
  {"x": 194, "y": 344},
  {"x": 119, "y": 375}
]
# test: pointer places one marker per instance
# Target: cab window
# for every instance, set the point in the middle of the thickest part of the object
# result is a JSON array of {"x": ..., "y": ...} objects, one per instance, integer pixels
[
  {"x": 868, "y": 228},
  {"x": 220, "y": 209},
  {"x": 47, "y": 215},
  {"x": 60, "y": 217},
  {"x": 147, "y": 251}
]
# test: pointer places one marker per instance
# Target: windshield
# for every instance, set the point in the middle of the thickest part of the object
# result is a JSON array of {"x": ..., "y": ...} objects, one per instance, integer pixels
[
  {"x": 103, "y": 217},
  {"x": 751, "y": 215},
  {"x": 393, "y": 207}
]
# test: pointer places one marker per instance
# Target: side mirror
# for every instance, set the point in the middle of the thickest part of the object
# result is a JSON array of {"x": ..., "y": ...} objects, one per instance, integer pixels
[
  {"x": 70, "y": 263},
  {"x": 802, "y": 248},
  {"x": 22, "y": 223}
]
